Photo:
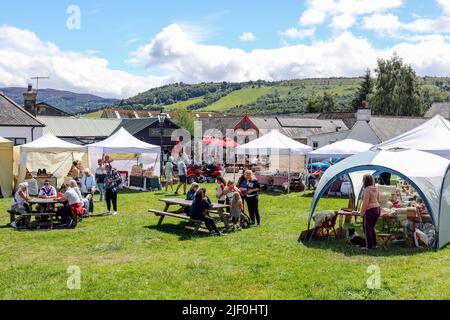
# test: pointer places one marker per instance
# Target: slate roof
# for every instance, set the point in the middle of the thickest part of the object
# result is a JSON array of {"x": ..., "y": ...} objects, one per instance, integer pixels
[
  {"x": 390, "y": 127},
  {"x": 441, "y": 108},
  {"x": 11, "y": 114},
  {"x": 65, "y": 127}
]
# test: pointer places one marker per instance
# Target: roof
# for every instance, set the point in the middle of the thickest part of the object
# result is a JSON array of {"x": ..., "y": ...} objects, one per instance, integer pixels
[
  {"x": 299, "y": 127},
  {"x": 54, "y": 108},
  {"x": 11, "y": 114},
  {"x": 349, "y": 118},
  {"x": 220, "y": 123},
  {"x": 441, "y": 108},
  {"x": 134, "y": 126},
  {"x": 387, "y": 128},
  {"x": 139, "y": 114},
  {"x": 71, "y": 127},
  {"x": 63, "y": 127}
]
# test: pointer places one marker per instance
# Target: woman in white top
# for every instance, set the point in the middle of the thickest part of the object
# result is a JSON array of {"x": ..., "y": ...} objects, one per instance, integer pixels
[{"x": 19, "y": 202}]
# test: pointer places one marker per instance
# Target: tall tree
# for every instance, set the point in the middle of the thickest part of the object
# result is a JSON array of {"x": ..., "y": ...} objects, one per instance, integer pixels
[
  {"x": 327, "y": 102},
  {"x": 364, "y": 90},
  {"x": 397, "y": 89},
  {"x": 185, "y": 120}
]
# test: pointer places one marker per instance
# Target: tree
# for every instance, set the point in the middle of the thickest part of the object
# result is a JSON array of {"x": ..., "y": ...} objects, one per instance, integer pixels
[
  {"x": 327, "y": 102},
  {"x": 312, "y": 105},
  {"x": 397, "y": 89},
  {"x": 185, "y": 120},
  {"x": 364, "y": 91}
]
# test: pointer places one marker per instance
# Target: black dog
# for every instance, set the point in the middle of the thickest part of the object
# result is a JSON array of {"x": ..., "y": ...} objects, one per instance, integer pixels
[{"x": 355, "y": 238}]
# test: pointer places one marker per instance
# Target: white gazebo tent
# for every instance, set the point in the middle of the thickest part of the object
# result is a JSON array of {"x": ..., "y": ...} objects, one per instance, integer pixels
[
  {"x": 51, "y": 153},
  {"x": 342, "y": 149},
  {"x": 427, "y": 173},
  {"x": 432, "y": 136},
  {"x": 123, "y": 143},
  {"x": 6, "y": 167},
  {"x": 275, "y": 143}
]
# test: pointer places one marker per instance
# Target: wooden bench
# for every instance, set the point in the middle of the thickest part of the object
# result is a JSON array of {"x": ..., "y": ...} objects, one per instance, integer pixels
[
  {"x": 27, "y": 215},
  {"x": 163, "y": 214}
]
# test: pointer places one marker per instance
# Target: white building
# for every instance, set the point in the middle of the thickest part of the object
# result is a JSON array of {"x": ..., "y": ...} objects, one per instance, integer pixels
[{"x": 17, "y": 124}]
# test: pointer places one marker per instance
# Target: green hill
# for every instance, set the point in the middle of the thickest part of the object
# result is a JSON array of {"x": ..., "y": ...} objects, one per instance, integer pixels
[
  {"x": 262, "y": 97},
  {"x": 238, "y": 98}
]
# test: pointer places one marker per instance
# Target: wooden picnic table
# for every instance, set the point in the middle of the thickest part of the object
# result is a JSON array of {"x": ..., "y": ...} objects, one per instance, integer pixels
[
  {"x": 218, "y": 208},
  {"x": 46, "y": 214}
]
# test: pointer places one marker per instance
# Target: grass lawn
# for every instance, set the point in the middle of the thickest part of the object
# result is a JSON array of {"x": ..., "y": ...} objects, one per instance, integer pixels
[
  {"x": 127, "y": 257},
  {"x": 239, "y": 97}
]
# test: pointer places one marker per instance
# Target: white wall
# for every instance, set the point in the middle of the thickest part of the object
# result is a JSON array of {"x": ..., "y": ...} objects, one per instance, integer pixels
[
  {"x": 21, "y": 132},
  {"x": 327, "y": 138},
  {"x": 361, "y": 131}
]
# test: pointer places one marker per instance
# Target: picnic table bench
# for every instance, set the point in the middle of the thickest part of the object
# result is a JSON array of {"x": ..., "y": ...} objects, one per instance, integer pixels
[
  {"x": 28, "y": 215},
  {"x": 17, "y": 216},
  {"x": 162, "y": 215},
  {"x": 216, "y": 208}
]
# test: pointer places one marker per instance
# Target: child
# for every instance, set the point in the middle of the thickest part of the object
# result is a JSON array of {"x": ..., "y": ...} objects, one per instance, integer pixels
[
  {"x": 237, "y": 207},
  {"x": 395, "y": 202},
  {"x": 221, "y": 196}
]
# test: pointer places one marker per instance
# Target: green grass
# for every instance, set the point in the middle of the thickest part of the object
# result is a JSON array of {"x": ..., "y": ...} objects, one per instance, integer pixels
[
  {"x": 96, "y": 114},
  {"x": 183, "y": 104},
  {"x": 239, "y": 97},
  {"x": 127, "y": 257}
]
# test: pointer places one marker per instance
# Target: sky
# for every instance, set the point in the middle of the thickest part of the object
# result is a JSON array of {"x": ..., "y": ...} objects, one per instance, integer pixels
[{"x": 120, "y": 48}]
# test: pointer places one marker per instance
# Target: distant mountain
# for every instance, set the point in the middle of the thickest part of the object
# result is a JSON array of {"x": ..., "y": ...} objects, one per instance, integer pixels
[{"x": 65, "y": 100}]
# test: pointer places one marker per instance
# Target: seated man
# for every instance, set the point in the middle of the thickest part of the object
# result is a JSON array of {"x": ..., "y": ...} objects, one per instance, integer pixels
[
  {"x": 46, "y": 192},
  {"x": 19, "y": 203}
]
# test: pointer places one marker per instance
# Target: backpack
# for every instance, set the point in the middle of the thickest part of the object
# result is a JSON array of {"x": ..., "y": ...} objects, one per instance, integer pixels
[{"x": 244, "y": 221}]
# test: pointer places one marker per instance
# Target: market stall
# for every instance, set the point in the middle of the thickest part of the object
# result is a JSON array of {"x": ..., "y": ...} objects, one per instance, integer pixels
[
  {"x": 52, "y": 154},
  {"x": 277, "y": 146},
  {"x": 432, "y": 136},
  {"x": 6, "y": 167},
  {"x": 131, "y": 157},
  {"x": 427, "y": 174}
]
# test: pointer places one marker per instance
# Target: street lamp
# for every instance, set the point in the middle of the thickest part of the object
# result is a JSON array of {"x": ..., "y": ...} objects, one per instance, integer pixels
[{"x": 162, "y": 119}]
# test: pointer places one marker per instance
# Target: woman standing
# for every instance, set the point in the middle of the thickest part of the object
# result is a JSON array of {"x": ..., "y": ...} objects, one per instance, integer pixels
[
  {"x": 370, "y": 210},
  {"x": 112, "y": 183},
  {"x": 168, "y": 171},
  {"x": 88, "y": 188},
  {"x": 198, "y": 212},
  {"x": 100, "y": 175},
  {"x": 220, "y": 190},
  {"x": 250, "y": 187}
]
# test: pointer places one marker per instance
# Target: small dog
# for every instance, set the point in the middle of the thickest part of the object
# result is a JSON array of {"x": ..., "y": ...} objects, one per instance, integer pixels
[{"x": 355, "y": 238}]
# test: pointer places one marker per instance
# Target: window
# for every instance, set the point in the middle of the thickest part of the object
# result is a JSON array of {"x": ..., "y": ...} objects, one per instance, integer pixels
[
  {"x": 315, "y": 145},
  {"x": 18, "y": 141}
]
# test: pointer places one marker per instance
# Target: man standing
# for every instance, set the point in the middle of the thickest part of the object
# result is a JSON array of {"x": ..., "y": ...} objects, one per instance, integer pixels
[{"x": 182, "y": 174}]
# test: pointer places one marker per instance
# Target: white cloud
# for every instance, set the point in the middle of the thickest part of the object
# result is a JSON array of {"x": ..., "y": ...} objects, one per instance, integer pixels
[
  {"x": 343, "y": 22},
  {"x": 342, "y": 55},
  {"x": 319, "y": 10},
  {"x": 294, "y": 33},
  {"x": 445, "y": 5},
  {"x": 439, "y": 25},
  {"x": 382, "y": 23},
  {"x": 247, "y": 37},
  {"x": 23, "y": 55}
]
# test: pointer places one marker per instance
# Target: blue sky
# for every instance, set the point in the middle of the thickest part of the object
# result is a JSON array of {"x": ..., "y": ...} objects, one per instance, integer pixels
[{"x": 159, "y": 42}]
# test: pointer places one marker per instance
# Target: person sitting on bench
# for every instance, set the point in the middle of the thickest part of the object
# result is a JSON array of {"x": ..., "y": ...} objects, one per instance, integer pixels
[
  {"x": 19, "y": 203},
  {"x": 198, "y": 212}
]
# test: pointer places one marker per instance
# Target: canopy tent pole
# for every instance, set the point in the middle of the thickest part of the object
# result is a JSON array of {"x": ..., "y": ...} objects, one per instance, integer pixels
[{"x": 289, "y": 173}]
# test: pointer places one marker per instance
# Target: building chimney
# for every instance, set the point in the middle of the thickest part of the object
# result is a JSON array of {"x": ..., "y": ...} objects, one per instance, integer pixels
[
  {"x": 364, "y": 113},
  {"x": 29, "y": 100}
]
